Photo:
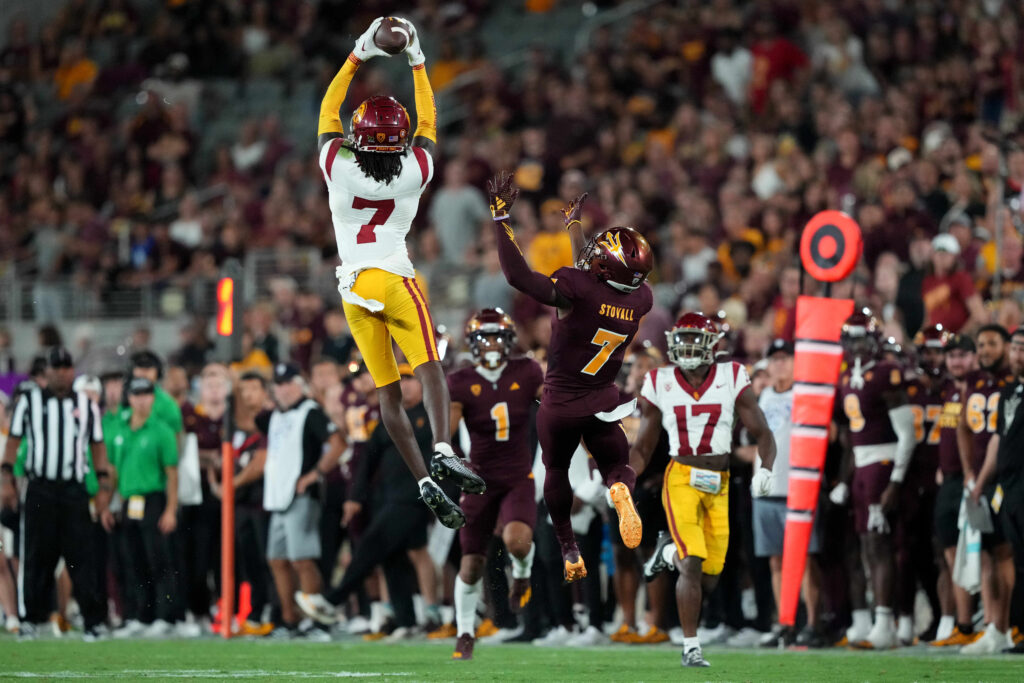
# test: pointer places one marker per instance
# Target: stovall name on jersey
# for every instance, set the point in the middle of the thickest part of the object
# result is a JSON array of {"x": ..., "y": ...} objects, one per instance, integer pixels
[{"x": 617, "y": 312}]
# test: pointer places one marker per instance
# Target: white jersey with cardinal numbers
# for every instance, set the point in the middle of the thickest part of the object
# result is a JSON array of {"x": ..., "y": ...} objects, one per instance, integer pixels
[
  {"x": 698, "y": 420},
  {"x": 371, "y": 219}
]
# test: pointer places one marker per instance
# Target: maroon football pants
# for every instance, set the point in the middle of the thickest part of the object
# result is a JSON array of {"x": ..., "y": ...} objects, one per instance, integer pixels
[{"x": 559, "y": 437}]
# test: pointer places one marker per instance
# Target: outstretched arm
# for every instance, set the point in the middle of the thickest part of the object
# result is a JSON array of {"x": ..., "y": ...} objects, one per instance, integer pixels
[
  {"x": 503, "y": 195},
  {"x": 426, "y": 108},
  {"x": 330, "y": 117},
  {"x": 647, "y": 438},
  {"x": 573, "y": 216}
]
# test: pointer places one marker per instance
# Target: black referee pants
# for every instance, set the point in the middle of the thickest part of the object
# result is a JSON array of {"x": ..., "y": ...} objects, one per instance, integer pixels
[
  {"x": 56, "y": 523},
  {"x": 151, "y": 569}
]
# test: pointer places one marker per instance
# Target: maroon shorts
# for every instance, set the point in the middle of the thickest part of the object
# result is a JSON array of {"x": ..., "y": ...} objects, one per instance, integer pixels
[
  {"x": 492, "y": 510},
  {"x": 869, "y": 482}
]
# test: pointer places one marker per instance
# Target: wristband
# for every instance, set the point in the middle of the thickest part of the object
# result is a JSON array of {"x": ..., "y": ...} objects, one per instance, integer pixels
[
  {"x": 7, "y": 468},
  {"x": 102, "y": 474}
]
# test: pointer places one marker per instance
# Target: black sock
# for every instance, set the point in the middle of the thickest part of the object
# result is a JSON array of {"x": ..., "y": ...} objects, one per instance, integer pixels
[{"x": 966, "y": 629}]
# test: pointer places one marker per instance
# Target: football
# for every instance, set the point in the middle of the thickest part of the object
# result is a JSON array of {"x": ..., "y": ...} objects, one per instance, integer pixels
[{"x": 392, "y": 35}]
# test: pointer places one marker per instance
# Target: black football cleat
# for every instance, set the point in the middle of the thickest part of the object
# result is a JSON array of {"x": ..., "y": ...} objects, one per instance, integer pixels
[
  {"x": 656, "y": 563},
  {"x": 452, "y": 467},
  {"x": 448, "y": 513}
]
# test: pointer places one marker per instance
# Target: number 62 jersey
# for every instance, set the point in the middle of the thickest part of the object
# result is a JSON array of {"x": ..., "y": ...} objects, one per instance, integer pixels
[
  {"x": 698, "y": 420},
  {"x": 371, "y": 218}
]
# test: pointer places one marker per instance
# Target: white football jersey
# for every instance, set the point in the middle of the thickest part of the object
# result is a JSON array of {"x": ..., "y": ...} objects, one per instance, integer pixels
[
  {"x": 371, "y": 219},
  {"x": 698, "y": 420}
]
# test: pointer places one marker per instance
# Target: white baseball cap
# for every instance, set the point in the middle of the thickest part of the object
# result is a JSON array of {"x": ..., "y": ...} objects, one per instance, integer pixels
[{"x": 946, "y": 242}]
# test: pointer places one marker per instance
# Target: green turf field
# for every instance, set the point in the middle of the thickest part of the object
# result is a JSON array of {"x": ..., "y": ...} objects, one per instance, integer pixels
[{"x": 210, "y": 659}]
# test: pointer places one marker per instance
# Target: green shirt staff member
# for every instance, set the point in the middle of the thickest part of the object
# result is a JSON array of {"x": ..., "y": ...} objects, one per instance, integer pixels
[
  {"x": 145, "y": 456},
  {"x": 146, "y": 364}
]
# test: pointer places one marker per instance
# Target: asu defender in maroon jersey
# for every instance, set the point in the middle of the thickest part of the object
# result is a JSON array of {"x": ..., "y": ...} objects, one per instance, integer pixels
[
  {"x": 955, "y": 630},
  {"x": 913, "y": 532},
  {"x": 977, "y": 425},
  {"x": 600, "y": 303},
  {"x": 879, "y": 430},
  {"x": 495, "y": 397}
]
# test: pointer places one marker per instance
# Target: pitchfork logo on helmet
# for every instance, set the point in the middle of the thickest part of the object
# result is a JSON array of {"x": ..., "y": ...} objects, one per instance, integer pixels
[
  {"x": 491, "y": 336},
  {"x": 861, "y": 336},
  {"x": 619, "y": 256},
  {"x": 692, "y": 342},
  {"x": 931, "y": 349},
  {"x": 380, "y": 124}
]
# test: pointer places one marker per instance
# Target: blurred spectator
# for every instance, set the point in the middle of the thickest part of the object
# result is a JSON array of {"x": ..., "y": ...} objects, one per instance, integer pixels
[
  {"x": 458, "y": 213},
  {"x": 948, "y": 292}
]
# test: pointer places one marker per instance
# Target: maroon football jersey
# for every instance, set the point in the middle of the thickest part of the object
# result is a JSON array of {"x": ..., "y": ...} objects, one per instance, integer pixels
[
  {"x": 863, "y": 404},
  {"x": 587, "y": 345},
  {"x": 926, "y": 404},
  {"x": 497, "y": 415},
  {"x": 981, "y": 403},
  {"x": 949, "y": 451},
  {"x": 209, "y": 433}
]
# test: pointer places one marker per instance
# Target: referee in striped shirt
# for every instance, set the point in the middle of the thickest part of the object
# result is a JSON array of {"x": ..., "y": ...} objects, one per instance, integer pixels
[{"x": 62, "y": 427}]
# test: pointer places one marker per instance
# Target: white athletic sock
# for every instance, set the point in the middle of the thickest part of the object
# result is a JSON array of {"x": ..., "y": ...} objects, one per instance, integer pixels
[
  {"x": 905, "y": 631},
  {"x": 691, "y": 643},
  {"x": 669, "y": 553},
  {"x": 862, "y": 619},
  {"x": 945, "y": 629},
  {"x": 444, "y": 449},
  {"x": 420, "y": 482},
  {"x": 521, "y": 568},
  {"x": 466, "y": 597},
  {"x": 883, "y": 615}
]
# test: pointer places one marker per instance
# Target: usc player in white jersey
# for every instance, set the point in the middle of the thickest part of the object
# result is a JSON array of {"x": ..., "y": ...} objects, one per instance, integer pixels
[
  {"x": 374, "y": 180},
  {"x": 696, "y": 401}
]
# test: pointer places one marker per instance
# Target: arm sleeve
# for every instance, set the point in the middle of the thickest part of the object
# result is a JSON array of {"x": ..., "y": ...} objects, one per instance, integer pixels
[
  {"x": 518, "y": 274},
  {"x": 330, "y": 106},
  {"x": 19, "y": 417},
  {"x": 426, "y": 108},
  {"x": 168, "y": 450},
  {"x": 902, "y": 418},
  {"x": 741, "y": 378},
  {"x": 96, "y": 426}
]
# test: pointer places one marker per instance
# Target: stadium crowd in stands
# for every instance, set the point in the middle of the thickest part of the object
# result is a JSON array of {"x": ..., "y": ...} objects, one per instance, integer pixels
[{"x": 716, "y": 129}]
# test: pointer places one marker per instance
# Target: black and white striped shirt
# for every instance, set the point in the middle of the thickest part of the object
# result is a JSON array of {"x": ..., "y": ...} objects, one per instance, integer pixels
[{"x": 58, "y": 431}]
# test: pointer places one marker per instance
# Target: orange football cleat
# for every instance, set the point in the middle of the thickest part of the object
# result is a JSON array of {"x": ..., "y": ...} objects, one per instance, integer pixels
[
  {"x": 574, "y": 571},
  {"x": 957, "y": 639},
  {"x": 444, "y": 631},
  {"x": 486, "y": 629},
  {"x": 251, "y": 628},
  {"x": 630, "y": 527},
  {"x": 653, "y": 636},
  {"x": 625, "y": 634}
]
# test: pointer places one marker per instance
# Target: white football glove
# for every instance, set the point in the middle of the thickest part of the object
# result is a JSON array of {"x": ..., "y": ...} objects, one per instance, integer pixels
[
  {"x": 876, "y": 519},
  {"x": 840, "y": 494},
  {"x": 413, "y": 51},
  {"x": 365, "y": 49},
  {"x": 761, "y": 484}
]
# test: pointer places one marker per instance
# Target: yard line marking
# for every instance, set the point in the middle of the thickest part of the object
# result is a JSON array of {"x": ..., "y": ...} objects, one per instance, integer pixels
[{"x": 202, "y": 673}]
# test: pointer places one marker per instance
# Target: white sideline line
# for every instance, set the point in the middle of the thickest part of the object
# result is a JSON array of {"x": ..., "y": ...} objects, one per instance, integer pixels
[{"x": 200, "y": 673}]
